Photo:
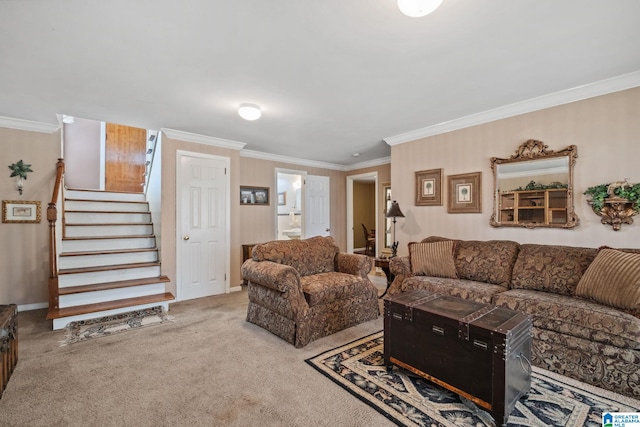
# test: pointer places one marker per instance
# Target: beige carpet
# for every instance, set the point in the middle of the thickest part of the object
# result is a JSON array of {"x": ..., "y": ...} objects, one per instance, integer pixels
[{"x": 209, "y": 368}]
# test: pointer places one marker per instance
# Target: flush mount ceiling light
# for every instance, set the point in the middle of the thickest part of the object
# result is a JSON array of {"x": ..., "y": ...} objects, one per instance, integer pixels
[
  {"x": 418, "y": 8},
  {"x": 249, "y": 111}
]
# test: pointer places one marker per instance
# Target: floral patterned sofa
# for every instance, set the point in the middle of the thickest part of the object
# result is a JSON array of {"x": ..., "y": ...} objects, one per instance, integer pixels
[
  {"x": 584, "y": 303},
  {"x": 302, "y": 290}
]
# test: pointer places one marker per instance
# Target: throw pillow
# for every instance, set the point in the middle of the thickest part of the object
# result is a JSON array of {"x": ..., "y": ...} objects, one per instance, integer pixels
[
  {"x": 613, "y": 278},
  {"x": 433, "y": 259}
]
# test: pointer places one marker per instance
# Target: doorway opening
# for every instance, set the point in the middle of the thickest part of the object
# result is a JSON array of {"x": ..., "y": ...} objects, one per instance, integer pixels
[
  {"x": 290, "y": 204},
  {"x": 362, "y": 202}
]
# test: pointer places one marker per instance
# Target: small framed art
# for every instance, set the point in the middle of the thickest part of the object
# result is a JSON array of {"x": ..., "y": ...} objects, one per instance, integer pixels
[
  {"x": 282, "y": 198},
  {"x": 254, "y": 195},
  {"x": 429, "y": 187},
  {"x": 21, "y": 212},
  {"x": 464, "y": 193}
]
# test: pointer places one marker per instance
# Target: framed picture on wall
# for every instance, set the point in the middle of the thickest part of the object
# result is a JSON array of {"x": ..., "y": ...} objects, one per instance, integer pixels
[
  {"x": 464, "y": 193},
  {"x": 429, "y": 187},
  {"x": 17, "y": 211},
  {"x": 254, "y": 195}
]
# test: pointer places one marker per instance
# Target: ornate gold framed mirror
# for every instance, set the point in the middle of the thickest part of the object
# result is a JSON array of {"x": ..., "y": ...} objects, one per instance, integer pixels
[{"x": 534, "y": 187}]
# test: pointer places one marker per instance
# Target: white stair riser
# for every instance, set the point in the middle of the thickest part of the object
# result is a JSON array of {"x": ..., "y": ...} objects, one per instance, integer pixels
[
  {"x": 107, "y": 217},
  {"x": 104, "y": 195},
  {"x": 108, "y": 230},
  {"x": 77, "y": 279},
  {"x": 79, "y": 205},
  {"x": 79, "y": 261},
  {"x": 107, "y": 244},
  {"x": 110, "y": 295},
  {"x": 63, "y": 321}
]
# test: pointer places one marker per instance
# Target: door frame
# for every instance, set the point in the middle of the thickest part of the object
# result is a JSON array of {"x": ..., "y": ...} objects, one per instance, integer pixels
[
  {"x": 227, "y": 227},
  {"x": 350, "y": 180}
]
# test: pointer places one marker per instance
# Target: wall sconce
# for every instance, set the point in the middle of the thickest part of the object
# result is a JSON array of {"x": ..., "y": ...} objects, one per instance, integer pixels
[{"x": 19, "y": 170}]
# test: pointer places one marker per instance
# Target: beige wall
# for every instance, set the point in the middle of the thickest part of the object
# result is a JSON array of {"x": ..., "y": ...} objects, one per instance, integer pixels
[
  {"x": 605, "y": 129},
  {"x": 24, "y": 264},
  {"x": 82, "y": 154}
]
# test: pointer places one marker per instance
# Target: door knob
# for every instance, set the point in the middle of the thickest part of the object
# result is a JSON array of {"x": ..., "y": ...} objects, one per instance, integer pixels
[
  {"x": 327, "y": 230},
  {"x": 185, "y": 238}
]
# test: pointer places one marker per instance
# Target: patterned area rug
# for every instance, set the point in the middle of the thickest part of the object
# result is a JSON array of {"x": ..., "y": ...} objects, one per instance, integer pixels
[
  {"x": 409, "y": 400},
  {"x": 109, "y": 325}
]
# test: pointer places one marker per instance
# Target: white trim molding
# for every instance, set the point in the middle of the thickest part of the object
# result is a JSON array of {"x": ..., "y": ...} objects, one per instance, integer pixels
[
  {"x": 28, "y": 125},
  {"x": 603, "y": 87},
  {"x": 313, "y": 163},
  {"x": 203, "y": 139}
]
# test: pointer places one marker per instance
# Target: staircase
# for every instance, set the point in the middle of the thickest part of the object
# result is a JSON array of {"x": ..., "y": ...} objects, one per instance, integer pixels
[{"x": 108, "y": 260}]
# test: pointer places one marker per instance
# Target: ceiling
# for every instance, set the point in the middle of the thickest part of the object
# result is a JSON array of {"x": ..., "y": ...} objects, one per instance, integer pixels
[{"x": 333, "y": 77}]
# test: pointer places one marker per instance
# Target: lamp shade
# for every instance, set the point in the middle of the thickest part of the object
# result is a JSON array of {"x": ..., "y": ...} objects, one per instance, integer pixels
[
  {"x": 394, "y": 211},
  {"x": 418, "y": 8}
]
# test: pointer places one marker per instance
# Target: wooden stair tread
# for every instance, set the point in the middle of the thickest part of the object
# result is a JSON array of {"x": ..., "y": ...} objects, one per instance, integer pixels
[
  {"x": 109, "y": 252},
  {"x": 89, "y": 224},
  {"x": 112, "y": 285},
  {"x": 107, "y": 212},
  {"x": 106, "y": 201},
  {"x": 77, "y": 310},
  {"x": 130, "y": 236},
  {"x": 107, "y": 267}
]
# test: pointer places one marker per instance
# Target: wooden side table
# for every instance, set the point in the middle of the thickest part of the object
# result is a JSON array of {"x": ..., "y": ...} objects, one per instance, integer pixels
[
  {"x": 383, "y": 263},
  {"x": 246, "y": 254}
]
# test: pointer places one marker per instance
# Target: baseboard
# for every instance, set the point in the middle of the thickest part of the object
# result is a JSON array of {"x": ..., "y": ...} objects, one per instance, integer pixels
[
  {"x": 235, "y": 288},
  {"x": 36, "y": 306}
]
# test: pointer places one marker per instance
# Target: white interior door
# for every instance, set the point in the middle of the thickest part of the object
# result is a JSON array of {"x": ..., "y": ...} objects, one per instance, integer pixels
[
  {"x": 202, "y": 223},
  {"x": 317, "y": 206}
]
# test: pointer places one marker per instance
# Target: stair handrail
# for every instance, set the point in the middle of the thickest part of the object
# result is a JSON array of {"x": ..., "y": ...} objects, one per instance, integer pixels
[{"x": 52, "y": 217}]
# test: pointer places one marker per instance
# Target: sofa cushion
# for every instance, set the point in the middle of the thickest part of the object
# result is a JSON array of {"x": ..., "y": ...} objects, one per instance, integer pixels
[
  {"x": 325, "y": 288},
  {"x": 551, "y": 268},
  {"x": 574, "y": 316},
  {"x": 488, "y": 261},
  {"x": 613, "y": 278},
  {"x": 467, "y": 289},
  {"x": 307, "y": 256},
  {"x": 433, "y": 259}
]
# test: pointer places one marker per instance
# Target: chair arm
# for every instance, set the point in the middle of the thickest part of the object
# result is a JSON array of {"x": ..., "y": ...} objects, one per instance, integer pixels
[
  {"x": 279, "y": 277},
  {"x": 359, "y": 265}
]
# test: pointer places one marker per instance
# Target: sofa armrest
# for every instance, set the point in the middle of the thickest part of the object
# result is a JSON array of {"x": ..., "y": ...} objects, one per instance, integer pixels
[
  {"x": 356, "y": 264},
  {"x": 278, "y": 277},
  {"x": 400, "y": 265}
]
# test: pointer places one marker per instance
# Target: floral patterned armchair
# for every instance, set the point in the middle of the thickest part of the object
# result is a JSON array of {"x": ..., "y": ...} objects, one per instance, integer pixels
[{"x": 302, "y": 290}]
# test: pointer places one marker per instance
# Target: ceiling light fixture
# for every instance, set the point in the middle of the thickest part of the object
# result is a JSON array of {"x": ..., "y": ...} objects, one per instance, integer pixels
[
  {"x": 418, "y": 8},
  {"x": 249, "y": 111}
]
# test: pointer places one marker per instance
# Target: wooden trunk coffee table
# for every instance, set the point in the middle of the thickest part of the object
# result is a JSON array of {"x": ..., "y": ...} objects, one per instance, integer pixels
[{"x": 479, "y": 351}]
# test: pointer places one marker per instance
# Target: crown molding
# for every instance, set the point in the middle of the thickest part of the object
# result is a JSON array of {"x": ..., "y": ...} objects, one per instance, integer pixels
[
  {"x": 313, "y": 163},
  {"x": 293, "y": 160},
  {"x": 602, "y": 87},
  {"x": 203, "y": 139},
  {"x": 28, "y": 125},
  {"x": 368, "y": 164}
]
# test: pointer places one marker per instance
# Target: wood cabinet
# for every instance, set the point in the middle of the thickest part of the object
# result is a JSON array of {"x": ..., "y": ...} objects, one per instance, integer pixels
[{"x": 534, "y": 207}]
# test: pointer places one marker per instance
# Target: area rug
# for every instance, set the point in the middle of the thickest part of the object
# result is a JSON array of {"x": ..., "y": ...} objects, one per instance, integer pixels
[
  {"x": 409, "y": 400},
  {"x": 94, "y": 328}
]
